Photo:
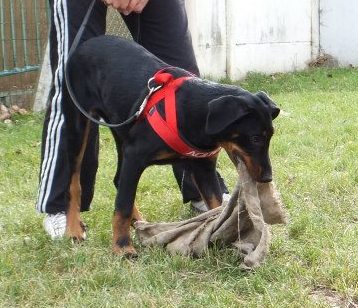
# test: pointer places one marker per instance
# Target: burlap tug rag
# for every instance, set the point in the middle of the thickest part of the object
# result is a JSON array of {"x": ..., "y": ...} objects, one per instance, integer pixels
[{"x": 242, "y": 222}]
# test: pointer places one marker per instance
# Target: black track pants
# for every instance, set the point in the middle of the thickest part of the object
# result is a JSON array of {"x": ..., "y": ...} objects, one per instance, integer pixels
[{"x": 66, "y": 18}]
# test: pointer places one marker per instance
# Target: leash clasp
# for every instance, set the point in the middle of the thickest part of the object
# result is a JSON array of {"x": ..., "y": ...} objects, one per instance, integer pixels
[
  {"x": 152, "y": 88},
  {"x": 153, "y": 85}
]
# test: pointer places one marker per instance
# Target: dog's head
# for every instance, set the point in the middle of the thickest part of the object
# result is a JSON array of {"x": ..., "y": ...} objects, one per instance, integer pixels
[{"x": 243, "y": 126}]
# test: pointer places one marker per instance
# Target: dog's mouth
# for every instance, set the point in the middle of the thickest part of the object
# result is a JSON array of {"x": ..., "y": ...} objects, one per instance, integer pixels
[{"x": 255, "y": 171}]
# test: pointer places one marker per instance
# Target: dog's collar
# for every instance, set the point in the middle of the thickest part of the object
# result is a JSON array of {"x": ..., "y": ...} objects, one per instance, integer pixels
[{"x": 167, "y": 128}]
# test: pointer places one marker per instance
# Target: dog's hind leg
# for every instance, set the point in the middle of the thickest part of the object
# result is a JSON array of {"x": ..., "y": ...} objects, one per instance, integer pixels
[
  {"x": 207, "y": 182},
  {"x": 75, "y": 229},
  {"x": 136, "y": 214}
]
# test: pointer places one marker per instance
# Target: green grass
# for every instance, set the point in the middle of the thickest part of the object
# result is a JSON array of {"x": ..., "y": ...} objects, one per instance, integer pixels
[{"x": 315, "y": 159}]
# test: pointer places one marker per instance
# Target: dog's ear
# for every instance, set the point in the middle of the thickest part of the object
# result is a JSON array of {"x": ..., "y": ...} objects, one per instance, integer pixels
[
  {"x": 224, "y": 111},
  {"x": 266, "y": 99}
]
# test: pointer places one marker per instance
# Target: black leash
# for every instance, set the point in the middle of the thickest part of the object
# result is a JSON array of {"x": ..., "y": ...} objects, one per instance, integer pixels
[{"x": 74, "y": 45}]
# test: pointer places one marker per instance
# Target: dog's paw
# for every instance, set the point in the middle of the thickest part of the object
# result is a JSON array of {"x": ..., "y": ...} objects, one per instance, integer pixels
[
  {"x": 77, "y": 239},
  {"x": 77, "y": 233},
  {"x": 125, "y": 251}
]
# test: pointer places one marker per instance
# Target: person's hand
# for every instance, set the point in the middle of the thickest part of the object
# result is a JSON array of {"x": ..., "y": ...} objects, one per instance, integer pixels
[{"x": 127, "y": 6}]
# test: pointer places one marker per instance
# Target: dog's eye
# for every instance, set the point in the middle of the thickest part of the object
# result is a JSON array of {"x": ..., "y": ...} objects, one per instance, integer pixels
[{"x": 256, "y": 139}]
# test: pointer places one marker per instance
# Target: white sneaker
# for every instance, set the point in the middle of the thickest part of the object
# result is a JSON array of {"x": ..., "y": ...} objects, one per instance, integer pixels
[
  {"x": 55, "y": 225},
  {"x": 199, "y": 206},
  {"x": 226, "y": 197}
]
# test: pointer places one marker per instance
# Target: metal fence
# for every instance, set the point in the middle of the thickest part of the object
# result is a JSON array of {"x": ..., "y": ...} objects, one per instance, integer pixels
[
  {"x": 23, "y": 31},
  {"x": 23, "y": 36},
  {"x": 115, "y": 24}
]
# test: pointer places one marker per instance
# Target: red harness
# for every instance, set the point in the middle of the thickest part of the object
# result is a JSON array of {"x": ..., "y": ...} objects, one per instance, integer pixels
[{"x": 167, "y": 129}]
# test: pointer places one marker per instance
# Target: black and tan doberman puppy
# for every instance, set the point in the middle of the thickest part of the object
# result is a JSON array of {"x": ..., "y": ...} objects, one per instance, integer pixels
[{"x": 109, "y": 75}]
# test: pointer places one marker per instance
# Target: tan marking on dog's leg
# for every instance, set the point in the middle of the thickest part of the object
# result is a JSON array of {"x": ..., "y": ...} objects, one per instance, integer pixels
[
  {"x": 121, "y": 243},
  {"x": 136, "y": 214},
  {"x": 213, "y": 202},
  {"x": 75, "y": 228}
]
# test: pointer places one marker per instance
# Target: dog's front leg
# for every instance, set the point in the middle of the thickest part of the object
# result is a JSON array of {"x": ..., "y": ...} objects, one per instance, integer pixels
[{"x": 131, "y": 171}]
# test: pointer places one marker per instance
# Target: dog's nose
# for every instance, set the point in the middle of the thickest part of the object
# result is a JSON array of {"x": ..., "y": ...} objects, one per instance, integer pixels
[{"x": 265, "y": 178}]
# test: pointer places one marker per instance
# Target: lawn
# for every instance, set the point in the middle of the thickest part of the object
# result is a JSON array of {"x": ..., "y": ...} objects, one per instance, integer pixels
[{"x": 313, "y": 261}]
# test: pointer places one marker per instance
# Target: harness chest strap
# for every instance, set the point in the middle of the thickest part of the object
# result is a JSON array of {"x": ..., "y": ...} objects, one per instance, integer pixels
[{"x": 167, "y": 129}]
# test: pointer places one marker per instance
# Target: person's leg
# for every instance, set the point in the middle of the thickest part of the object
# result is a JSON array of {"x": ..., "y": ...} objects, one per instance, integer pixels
[
  {"x": 162, "y": 28},
  {"x": 66, "y": 18}
]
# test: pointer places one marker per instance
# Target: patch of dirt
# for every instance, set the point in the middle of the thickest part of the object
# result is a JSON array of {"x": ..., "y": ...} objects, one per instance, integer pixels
[
  {"x": 332, "y": 298},
  {"x": 7, "y": 112},
  {"x": 324, "y": 60}
]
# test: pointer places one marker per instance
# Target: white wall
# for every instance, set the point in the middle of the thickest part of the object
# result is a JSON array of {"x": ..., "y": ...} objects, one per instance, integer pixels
[
  {"x": 234, "y": 37},
  {"x": 268, "y": 36},
  {"x": 207, "y": 23},
  {"x": 339, "y": 30}
]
